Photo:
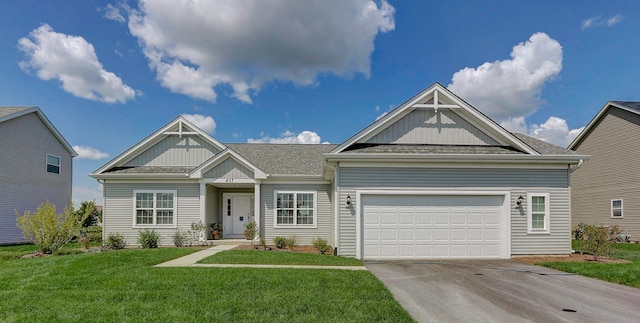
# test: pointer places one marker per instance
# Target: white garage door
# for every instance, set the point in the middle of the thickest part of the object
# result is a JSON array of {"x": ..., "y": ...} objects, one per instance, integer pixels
[{"x": 429, "y": 226}]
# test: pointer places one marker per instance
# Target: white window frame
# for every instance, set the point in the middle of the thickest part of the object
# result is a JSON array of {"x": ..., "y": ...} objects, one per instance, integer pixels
[
  {"x": 155, "y": 209},
  {"x": 295, "y": 217},
  {"x": 46, "y": 164},
  {"x": 547, "y": 214},
  {"x": 621, "y": 209}
]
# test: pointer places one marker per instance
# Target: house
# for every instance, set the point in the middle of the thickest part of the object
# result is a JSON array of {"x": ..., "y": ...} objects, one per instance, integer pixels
[
  {"x": 434, "y": 178},
  {"x": 36, "y": 167},
  {"x": 605, "y": 189}
]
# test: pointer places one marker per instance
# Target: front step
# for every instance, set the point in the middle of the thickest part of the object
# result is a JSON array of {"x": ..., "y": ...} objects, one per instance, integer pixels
[{"x": 225, "y": 242}]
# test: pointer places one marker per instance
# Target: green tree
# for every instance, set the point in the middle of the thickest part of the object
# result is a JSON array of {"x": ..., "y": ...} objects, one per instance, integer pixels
[
  {"x": 47, "y": 229},
  {"x": 87, "y": 214}
]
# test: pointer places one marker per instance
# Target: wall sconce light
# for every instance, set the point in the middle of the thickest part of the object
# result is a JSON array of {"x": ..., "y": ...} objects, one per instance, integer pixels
[
  {"x": 348, "y": 200},
  {"x": 519, "y": 201}
]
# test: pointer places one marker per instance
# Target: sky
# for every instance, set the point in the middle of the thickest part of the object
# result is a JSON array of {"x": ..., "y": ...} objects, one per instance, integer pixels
[{"x": 109, "y": 73}]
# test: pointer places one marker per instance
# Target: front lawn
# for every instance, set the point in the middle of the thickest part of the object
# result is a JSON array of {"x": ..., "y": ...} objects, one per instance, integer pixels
[
  {"x": 278, "y": 258},
  {"x": 122, "y": 286},
  {"x": 624, "y": 274}
]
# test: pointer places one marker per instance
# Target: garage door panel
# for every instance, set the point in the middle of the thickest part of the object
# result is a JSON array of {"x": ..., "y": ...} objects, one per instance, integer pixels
[{"x": 431, "y": 226}]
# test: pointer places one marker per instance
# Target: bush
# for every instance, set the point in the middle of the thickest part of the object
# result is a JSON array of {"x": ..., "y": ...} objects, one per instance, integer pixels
[
  {"x": 62, "y": 252},
  {"x": 594, "y": 239},
  {"x": 280, "y": 242},
  {"x": 321, "y": 245},
  {"x": 148, "y": 238},
  {"x": 48, "y": 230},
  {"x": 179, "y": 238},
  {"x": 291, "y": 242},
  {"x": 115, "y": 241}
]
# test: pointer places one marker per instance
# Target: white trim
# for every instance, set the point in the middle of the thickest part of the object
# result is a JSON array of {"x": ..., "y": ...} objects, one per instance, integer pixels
[
  {"x": 46, "y": 164},
  {"x": 505, "y": 223},
  {"x": 295, "y": 218},
  {"x": 621, "y": 209},
  {"x": 336, "y": 208},
  {"x": 256, "y": 205},
  {"x": 547, "y": 214},
  {"x": 203, "y": 202},
  {"x": 155, "y": 209},
  {"x": 457, "y": 165}
]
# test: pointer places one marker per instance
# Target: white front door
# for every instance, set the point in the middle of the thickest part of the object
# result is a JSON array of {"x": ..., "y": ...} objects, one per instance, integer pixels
[{"x": 238, "y": 211}]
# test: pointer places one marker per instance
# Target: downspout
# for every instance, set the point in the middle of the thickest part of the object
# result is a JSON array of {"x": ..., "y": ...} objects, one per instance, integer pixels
[
  {"x": 336, "y": 205},
  {"x": 572, "y": 169}
]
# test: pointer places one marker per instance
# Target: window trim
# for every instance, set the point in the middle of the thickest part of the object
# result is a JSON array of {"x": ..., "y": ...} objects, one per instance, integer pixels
[
  {"x": 46, "y": 164},
  {"x": 155, "y": 209},
  {"x": 621, "y": 209},
  {"x": 295, "y": 218},
  {"x": 547, "y": 208}
]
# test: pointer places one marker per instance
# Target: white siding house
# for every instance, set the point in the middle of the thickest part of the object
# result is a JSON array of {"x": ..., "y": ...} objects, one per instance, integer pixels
[
  {"x": 434, "y": 178},
  {"x": 36, "y": 167}
]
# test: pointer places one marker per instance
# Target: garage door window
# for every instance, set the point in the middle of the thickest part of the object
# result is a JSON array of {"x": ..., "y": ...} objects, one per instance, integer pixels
[
  {"x": 538, "y": 213},
  {"x": 295, "y": 209}
]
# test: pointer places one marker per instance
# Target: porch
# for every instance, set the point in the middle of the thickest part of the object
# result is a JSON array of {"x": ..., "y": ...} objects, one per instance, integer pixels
[{"x": 231, "y": 204}]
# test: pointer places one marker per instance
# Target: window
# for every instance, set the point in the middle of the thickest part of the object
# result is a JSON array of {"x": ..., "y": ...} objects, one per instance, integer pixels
[
  {"x": 295, "y": 209},
  {"x": 616, "y": 208},
  {"x": 53, "y": 164},
  {"x": 154, "y": 208},
  {"x": 538, "y": 213}
]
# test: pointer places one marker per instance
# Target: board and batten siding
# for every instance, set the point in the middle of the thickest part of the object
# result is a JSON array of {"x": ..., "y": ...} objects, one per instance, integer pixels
[
  {"x": 119, "y": 209},
  {"x": 516, "y": 181},
  {"x": 176, "y": 151},
  {"x": 229, "y": 168},
  {"x": 424, "y": 125},
  {"x": 612, "y": 172},
  {"x": 24, "y": 182},
  {"x": 305, "y": 236}
]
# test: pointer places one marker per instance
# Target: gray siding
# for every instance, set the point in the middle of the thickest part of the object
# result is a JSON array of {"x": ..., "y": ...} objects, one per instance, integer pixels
[
  {"x": 119, "y": 203},
  {"x": 612, "y": 172},
  {"x": 176, "y": 151},
  {"x": 422, "y": 125},
  {"x": 305, "y": 235},
  {"x": 229, "y": 168},
  {"x": 24, "y": 181},
  {"x": 516, "y": 181}
]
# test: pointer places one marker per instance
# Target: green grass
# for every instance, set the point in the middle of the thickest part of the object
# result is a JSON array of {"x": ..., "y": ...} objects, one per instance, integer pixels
[
  {"x": 625, "y": 274},
  {"x": 15, "y": 252},
  {"x": 278, "y": 258},
  {"x": 121, "y": 285}
]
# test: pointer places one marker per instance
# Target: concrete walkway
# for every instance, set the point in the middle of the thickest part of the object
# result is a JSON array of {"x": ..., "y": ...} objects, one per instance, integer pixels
[{"x": 192, "y": 259}]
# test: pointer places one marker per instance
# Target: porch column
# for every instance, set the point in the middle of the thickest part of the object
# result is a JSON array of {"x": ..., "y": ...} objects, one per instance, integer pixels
[
  {"x": 256, "y": 204},
  {"x": 203, "y": 202}
]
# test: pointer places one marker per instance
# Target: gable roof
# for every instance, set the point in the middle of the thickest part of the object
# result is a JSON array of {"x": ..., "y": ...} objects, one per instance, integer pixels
[
  {"x": 8, "y": 113},
  {"x": 437, "y": 97},
  {"x": 630, "y": 106},
  {"x": 199, "y": 171},
  {"x": 179, "y": 126}
]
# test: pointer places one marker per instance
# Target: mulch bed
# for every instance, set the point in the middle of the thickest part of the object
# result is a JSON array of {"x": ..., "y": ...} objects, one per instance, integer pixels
[
  {"x": 302, "y": 249},
  {"x": 570, "y": 258}
]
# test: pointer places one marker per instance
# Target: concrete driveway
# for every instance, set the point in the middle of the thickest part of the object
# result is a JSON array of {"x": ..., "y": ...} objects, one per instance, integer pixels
[{"x": 503, "y": 291}]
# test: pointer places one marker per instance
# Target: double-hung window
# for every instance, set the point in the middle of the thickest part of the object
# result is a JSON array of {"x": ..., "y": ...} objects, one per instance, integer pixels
[
  {"x": 53, "y": 164},
  {"x": 538, "y": 213},
  {"x": 616, "y": 208},
  {"x": 295, "y": 209},
  {"x": 154, "y": 208}
]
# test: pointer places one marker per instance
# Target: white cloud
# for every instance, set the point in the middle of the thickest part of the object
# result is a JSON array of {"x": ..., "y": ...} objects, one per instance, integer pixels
[
  {"x": 597, "y": 21},
  {"x": 205, "y": 123},
  {"x": 288, "y": 137},
  {"x": 86, "y": 152},
  {"x": 82, "y": 193},
  {"x": 555, "y": 130},
  {"x": 195, "y": 47},
  {"x": 113, "y": 13},
  {"x": 511, "y": 88},
  {"x": 72, "y": 61}
]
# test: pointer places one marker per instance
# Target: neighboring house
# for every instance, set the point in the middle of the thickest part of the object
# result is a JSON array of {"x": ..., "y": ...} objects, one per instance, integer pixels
[
  {"x": 606, "y": 189},
  {"x": 434, "y": 178},
  {"x": 36, "y": 167}
]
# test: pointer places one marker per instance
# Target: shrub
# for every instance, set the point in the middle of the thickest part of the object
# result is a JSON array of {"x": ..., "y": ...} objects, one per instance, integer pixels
[
  {"x": 280, "y": 242},
  {"x": 115, "y": 241},
  {"x": 291, "y": 242},
  {"x": 321, "y": 245},
  {"x": 84, "y": 240},
  {"x": 48, "y": 230},
  {"x": 93, "y": 232},
  {"x": 179, "y": 238},
  {"x": 148, "y": 238},
  {"x": 62, "y": 252},
  {"x": 595, "y": 240}
]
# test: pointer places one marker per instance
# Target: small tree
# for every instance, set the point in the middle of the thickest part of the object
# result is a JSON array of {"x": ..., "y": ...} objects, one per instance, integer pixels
[
  {"x": 88, "y": 214},
  {"x": 595, "y": 240},
  {"x": 47, "y": 229}
]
